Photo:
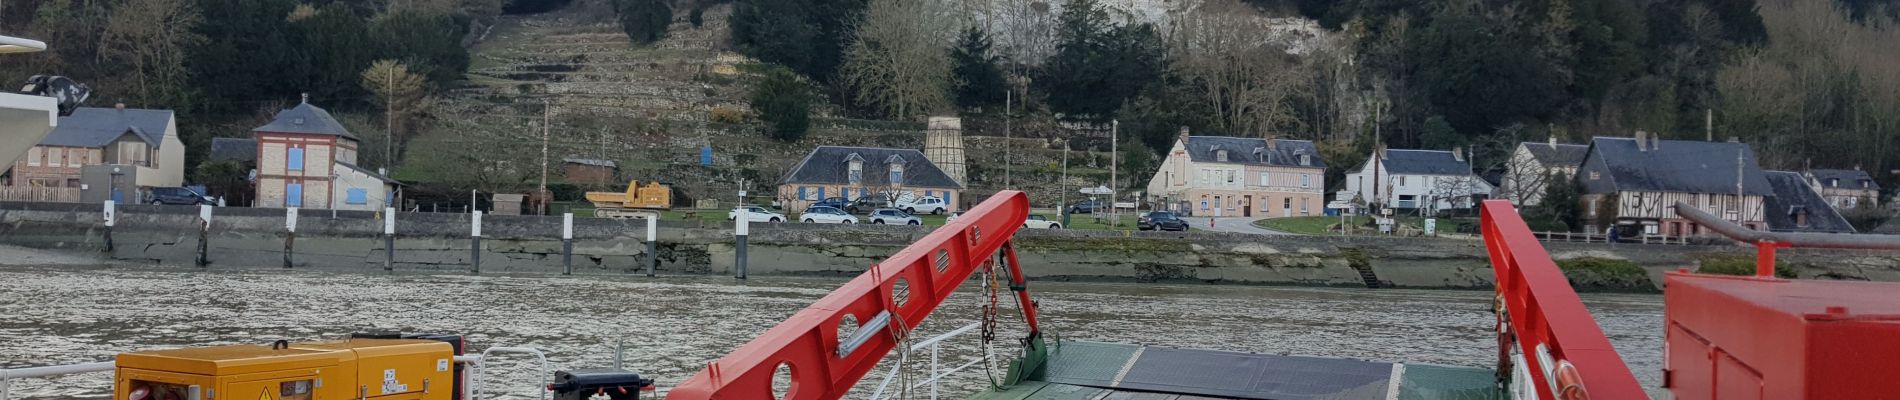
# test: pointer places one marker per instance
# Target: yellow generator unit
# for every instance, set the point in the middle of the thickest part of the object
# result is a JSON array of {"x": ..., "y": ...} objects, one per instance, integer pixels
[{"x": 388, "y": 369}]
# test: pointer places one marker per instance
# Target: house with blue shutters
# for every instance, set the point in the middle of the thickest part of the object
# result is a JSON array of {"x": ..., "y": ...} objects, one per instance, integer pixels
[
  {"x": 853, "y": 172},
  {"x": 305, "y": 158}
]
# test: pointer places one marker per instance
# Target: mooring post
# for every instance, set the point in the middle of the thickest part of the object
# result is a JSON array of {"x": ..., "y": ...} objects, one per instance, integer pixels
[
  {"x": 475, "y": 241},
  {"x": 567, "y": 243},
  {"x": 204, "y": 234},
  {"x": 389, "y": 238},
  {"x": 290, "y": 240},
  {"x": 653, "y": 255},
  {"x": 112, "y": 218},
  {"x": 739, "y": 233}
]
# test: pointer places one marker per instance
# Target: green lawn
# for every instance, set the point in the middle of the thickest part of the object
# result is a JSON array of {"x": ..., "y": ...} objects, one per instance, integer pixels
[{"x": 1079, "y": 221}]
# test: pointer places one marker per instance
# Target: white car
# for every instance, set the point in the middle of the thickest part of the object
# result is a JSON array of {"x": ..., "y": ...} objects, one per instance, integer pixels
[
  {"x": 827, "y": 215},
  {"x": 1040, "y": 222},
  {"x": 755, "y": 214},
  {"x": 924, "y": 205},
  {"x": 890, "y": 216}
]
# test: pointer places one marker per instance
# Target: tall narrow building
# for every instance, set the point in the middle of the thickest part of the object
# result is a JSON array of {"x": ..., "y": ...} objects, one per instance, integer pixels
[{"x": 943, "y": 145}]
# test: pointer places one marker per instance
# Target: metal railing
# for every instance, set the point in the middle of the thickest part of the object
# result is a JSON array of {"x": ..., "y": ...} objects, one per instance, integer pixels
[
  {"x": 1542, "y": 324},
  {"x": 934, "y": 344},
  {"x": 8, "y": 375}
]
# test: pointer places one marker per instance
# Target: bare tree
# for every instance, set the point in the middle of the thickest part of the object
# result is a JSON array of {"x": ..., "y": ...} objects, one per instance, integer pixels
[
  {"x": 1455, "y": 191},
  {"x": 404, "y": 95},
  {"x": 1025, "y": 30},
  {"x": 1242, "y": 67},
  {"x": 900, "y": 60},
  {"x": 150, "y": 37}
]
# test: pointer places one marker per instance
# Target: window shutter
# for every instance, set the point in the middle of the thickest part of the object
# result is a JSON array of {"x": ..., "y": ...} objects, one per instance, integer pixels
[
  {"x": 801, "y": 193},
  {"x": 293, "y": 195}
]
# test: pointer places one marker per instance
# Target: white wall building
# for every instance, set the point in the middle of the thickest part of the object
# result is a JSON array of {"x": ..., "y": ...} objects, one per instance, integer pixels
[{"x": 1430, "y": 180}]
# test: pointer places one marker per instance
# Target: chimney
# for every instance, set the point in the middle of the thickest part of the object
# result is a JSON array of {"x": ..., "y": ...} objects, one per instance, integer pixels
[
  {"x": 1553, "y": 140},
  {"x": 1642, "y": 141},
  {"x": 1734, "y": 139},
  {"x": 1856, "y": 167},
  {"x": 1184, "y": 134},
  {"x": 1273, "y": 144},
  {"x": 306, "y": 97},
  {"x": 120, "y": 106},
  {"x": 1655, "y": 141},
  {"x": 1458, "y": 153}
]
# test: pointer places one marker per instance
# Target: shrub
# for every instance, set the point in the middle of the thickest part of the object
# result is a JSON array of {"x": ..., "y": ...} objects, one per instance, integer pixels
[
  {"x": 698, "y": 16},
  {"x": 644, "y": 20},
  {"x": 1594, "y": 273},
  {"x": 726, "y": 115},
  {"x": 783, "y": 101},
  {"x": 1743, "y": 265}
]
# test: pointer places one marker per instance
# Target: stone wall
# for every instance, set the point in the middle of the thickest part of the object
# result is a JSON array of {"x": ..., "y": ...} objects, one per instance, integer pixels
[{"x": 251, "y": 238}]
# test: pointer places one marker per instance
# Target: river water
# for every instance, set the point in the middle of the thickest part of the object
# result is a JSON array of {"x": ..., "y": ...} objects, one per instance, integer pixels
[{"x": 672, "y": 325}]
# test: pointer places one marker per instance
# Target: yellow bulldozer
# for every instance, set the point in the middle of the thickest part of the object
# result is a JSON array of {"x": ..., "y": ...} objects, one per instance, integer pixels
[{"x": 637, "y": 202}]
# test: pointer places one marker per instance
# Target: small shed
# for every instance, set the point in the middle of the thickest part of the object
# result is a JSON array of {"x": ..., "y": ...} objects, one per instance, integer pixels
[
  {"x": 508, "y": 204},
  {"x": 588, "y": 171}
]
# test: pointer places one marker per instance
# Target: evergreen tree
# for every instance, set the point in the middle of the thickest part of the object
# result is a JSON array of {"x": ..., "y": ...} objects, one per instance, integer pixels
[
  {"x": 430, "y": 44},
  {"x": 644, "y": 20},
  {"x": 1100, "y": 65},
  {"x": 783, "y": 101},
  {"x": 1561, "y": 202},
  {"x": 247, "y": 54},
  {"x": 806, "y": 35},
  {"x": 979, "y": 81}
]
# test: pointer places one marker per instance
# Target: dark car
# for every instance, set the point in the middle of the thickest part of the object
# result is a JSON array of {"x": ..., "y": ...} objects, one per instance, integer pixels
[
  {"x": 835, "y": 202},
  {"x": 868, "y": 203},
  {"x": 1085, "y": 207},
  {"x": 1161, "y": 220},
  {"x": 179, "y": 197}
]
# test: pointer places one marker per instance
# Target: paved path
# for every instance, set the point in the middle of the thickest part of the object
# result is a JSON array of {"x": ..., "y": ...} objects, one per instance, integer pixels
[{"x": 1231, "y": 225}]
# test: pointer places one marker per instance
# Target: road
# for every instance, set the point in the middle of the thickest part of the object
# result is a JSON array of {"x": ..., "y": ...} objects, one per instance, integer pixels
[{"x": 1231, "y": 225}]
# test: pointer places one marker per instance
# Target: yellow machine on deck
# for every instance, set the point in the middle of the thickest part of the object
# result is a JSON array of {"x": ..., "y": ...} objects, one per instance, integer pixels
[
  {"x": 385, "y": 369},
  {"x": 637, "y": 202}
]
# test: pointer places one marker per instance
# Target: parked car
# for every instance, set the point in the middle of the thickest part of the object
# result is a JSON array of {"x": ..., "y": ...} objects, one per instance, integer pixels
[
  {"x": 835, "y": 202},
  {"x": 827, "y": 215},
  {"x": 1041, "y": 222},
  {"x": 892, "y": 216},
  {"x": 180, "y": 197},
  {"x": 1161, "y": 220},
  {"x": 868, "y": 203},
  {"x": 1085, "y": 207},
  {"x": 923, "y": 205},
  {"x": 755, "y": 214}
]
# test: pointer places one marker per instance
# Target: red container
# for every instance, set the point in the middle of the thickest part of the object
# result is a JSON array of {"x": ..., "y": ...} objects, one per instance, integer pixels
[{"x": 1731, "y": 337}]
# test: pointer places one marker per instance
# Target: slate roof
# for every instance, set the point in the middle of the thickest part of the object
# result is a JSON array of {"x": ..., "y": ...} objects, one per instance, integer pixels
[
  {"x": 1557, "y": 155},
  {"x": 96, "y": 127},
  {"x": 1241, "y": 151},
  {"x": 826, "y": 165},
  {"x": 1678, "y": 166},
  {"x": 306, "y": 119},
  {"x": 589, "y": 161},
  {"x": 371, "y": 174},
  {"x": 1425, "y": 162},
  {"x": 1793, "y": 193},
  {"x": 1849, "y": 177},
  {"x": 234, "y": 149}
]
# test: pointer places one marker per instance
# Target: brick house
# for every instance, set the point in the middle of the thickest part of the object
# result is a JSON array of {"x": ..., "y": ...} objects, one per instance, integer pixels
[
  {"x": 1241, "y": 177},
  {"x": 143, "y": 139},
  {"x": 852, "y": 172},
  {"x": 1844, "y": 189},
  {"x": 305, "y": 158},
  {"x": 1635, "y": 182}
]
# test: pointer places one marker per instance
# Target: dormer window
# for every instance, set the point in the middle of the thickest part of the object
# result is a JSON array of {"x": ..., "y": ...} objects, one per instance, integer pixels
[
  {"x": 1305, "y": 159},
  {"x": 1800, "y": 216},
  {"x": 854, "y": 164},
  {"x": 1833, "y": 182},
  {"x": 897, "y": 169},
  {"x": 1220, "y": 155}
]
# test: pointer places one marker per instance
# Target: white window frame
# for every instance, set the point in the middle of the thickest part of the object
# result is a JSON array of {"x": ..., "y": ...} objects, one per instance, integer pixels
[
  {"x": 1306, "y": 181},
  {"x": 1266, "y": 179}
]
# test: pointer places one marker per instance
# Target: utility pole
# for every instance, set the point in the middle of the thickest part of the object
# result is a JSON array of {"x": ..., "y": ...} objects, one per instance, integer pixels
[
  {"x": 389, "y": 120},
  {"x": 1739, "y": 200},
  {"x": 1008, "y": 114},
  {"x": 1708, "y": 124},
  {"x": 546, "y": 113},
  {"x": 1064, "y": 198},
  {"x": 1114, "y": 130}
]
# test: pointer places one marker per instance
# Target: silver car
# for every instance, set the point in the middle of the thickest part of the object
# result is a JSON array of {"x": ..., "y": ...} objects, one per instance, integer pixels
[{"x": 892, "y": 216}]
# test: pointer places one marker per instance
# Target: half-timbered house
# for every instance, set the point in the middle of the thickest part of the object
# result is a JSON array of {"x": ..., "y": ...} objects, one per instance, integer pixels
[{"x": 1635, "y": 182}]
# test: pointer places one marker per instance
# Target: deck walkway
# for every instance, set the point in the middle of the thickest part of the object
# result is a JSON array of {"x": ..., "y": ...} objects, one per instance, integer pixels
[{"x": 1102, "y": 371}]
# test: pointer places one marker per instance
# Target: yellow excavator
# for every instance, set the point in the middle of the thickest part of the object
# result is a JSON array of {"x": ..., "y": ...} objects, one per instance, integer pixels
[{"x": 637, "y": 202}]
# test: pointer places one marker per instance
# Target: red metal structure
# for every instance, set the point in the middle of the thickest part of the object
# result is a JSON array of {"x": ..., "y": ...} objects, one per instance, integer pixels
[
  {"x": 1761, "y": 337},
  {"x": 889, "y": 299},
  {"x": 1540, "y": 316}
]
